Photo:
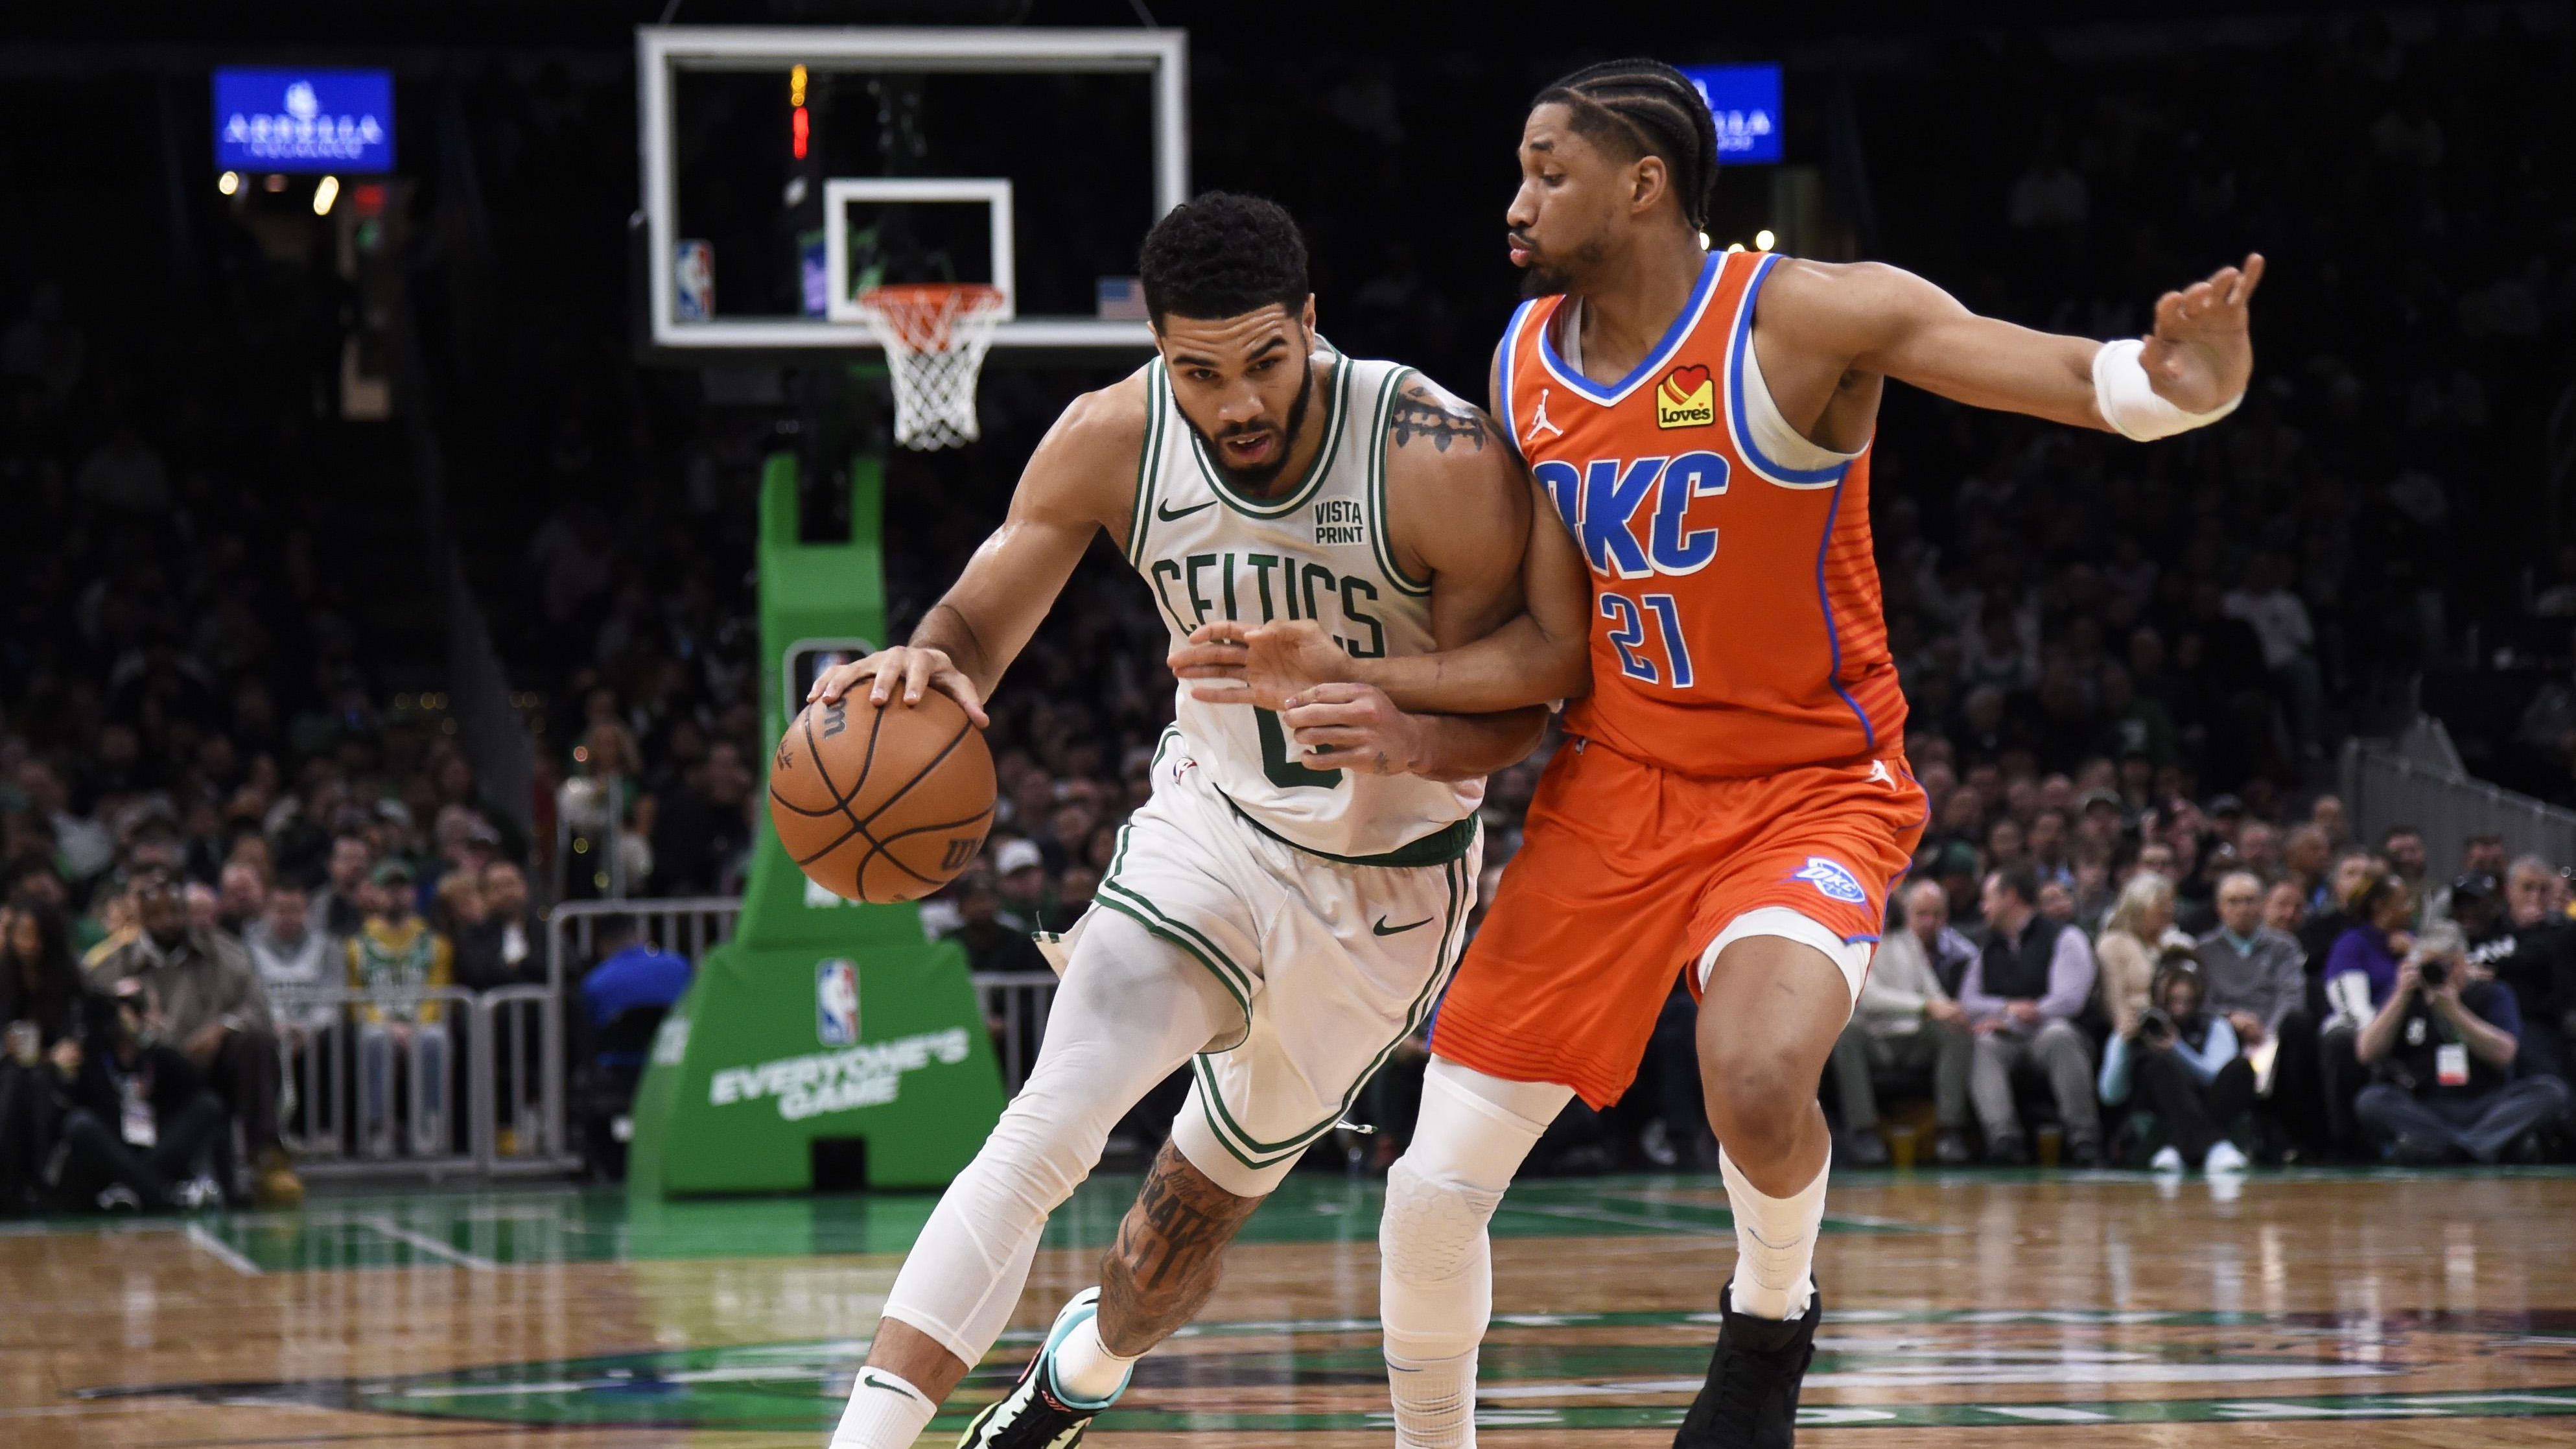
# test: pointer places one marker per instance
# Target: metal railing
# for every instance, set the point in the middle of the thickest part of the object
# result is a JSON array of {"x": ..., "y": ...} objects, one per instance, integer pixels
[
  {"x": 2416, "y": 781},
  {"x": 508, "y": 1047},
  {"x": 344, "y": 1074}
]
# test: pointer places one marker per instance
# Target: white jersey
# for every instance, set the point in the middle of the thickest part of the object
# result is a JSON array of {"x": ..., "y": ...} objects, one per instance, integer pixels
[{"x": 1318, "y": 551}]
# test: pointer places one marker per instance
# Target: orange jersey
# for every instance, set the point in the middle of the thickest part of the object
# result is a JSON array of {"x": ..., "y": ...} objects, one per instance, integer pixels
[{"x": 1737, "y": 628}]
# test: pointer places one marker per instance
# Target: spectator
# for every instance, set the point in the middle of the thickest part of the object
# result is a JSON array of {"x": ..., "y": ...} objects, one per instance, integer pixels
[
  {"x": 297, "y": 965},
  {"x": 2370, "y": 949},
  {"x": 2187, "y": 1071},
  {"x": 164, "y": 1115},
  {"x": 2481, "y": 855},
  {"x": 2528, "y": 945},
  {"x": 394, "y": 959},
  {"x": 2403, "y": 848},
  {"x": 339, "y": 908},
  {"x": 2252, "y": 975},
  {"x": 2138, "y": 933},
  {"x": 2329, "y": 913},
  {"x": 1019, "y": 869},
  {"x": 210, "y": 1005},
  {"x": 1907, "y": 1022},
  {"x": 702, "y": 839},
  {"x": 2288, "y": 638},
  {"x": 43, "y": 1014},
  {"x": 2022, "y": 995},
  {"x": 2305, "y": 858},
  {"x": 2442, "y": 1050},
  {"x": 991, "y": 942},
  {"x": 2285, "y": 909},
  {"x": 240, "y": 898},
  {"x": 1073, "y": 895},
  {"x": 632, "y": 975},
  {"x": 513, "y": 930}
]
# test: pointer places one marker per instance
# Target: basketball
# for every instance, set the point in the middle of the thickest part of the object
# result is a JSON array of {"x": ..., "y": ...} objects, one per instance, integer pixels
[{"x": 882, "y": 805}]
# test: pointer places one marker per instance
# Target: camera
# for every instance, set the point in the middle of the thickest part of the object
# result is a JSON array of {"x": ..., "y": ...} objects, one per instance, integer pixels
[
  {"x": 2156, "y": 1025},
  {"x": 2434, "y": 972}
]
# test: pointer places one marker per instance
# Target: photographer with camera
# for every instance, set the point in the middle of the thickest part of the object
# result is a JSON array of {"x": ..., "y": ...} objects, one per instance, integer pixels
[
  {"x": 2184, "y": 1066},
  {"x": 2443, "y": 1049},
  {"x": 139, "y": 1114}
]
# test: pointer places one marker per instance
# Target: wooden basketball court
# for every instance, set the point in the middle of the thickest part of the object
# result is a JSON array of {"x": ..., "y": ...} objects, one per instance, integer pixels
[{"x": 2021, "y": 1311}]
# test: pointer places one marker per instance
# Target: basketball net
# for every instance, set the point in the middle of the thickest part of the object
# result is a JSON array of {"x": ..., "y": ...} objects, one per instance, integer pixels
[{"x": 935, "y": 336}]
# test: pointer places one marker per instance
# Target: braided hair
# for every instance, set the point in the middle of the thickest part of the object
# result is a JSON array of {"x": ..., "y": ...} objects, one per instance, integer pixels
[{"x": 1646, "y": 108}]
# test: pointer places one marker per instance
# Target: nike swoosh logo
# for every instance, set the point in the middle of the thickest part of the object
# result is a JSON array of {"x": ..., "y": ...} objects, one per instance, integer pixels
[
  {"x": 891, "y": 1387},
  {"x": 1164, "y": 511},
  {"x": 1383, "y": 929}
]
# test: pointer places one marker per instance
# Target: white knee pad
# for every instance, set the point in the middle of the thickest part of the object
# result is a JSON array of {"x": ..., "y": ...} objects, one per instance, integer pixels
[
  {"x": 1436, "y": 1281},
  {"x": 1435, "y": 1275}
]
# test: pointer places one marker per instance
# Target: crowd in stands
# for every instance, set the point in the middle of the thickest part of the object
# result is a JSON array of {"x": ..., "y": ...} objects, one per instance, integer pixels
[{"x": 2136, "y": 931}]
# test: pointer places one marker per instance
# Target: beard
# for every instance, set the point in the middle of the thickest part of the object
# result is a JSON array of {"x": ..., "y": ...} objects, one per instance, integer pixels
[
  {"x": 1257, "y": 479},
  {"x": 1542, "y": 276}
]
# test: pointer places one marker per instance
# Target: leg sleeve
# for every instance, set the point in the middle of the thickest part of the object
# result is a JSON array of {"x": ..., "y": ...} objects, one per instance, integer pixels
[
  {"x": 1435, "y": 1283},
  {"x": 1132, "y": 1009}
]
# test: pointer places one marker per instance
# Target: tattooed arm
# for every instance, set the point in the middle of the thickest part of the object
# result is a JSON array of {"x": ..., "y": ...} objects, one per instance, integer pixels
[
  {"x": 1165, "y": 1262},
  {"x": 1458, "y": 517},
  {"x": 1511, "y": 601}
]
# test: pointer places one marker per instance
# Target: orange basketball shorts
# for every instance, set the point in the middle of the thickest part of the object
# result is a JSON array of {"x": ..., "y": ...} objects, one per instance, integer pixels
[{"x": 1628, "y": 871}]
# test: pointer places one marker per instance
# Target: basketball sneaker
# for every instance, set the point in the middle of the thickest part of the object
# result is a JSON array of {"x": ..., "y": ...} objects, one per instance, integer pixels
[
  {"x": 1751, "y": 1398},
  {"x": 1036, "y": 1414}
]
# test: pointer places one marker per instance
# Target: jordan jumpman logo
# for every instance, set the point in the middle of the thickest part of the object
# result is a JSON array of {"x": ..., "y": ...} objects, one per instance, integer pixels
[{"x": 1541, "y": 421}]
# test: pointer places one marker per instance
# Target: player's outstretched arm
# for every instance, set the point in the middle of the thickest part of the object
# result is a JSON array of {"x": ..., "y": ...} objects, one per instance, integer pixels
[
  {"x": 1885, "y": 321},
  {"x": 1076, "y": 482}
]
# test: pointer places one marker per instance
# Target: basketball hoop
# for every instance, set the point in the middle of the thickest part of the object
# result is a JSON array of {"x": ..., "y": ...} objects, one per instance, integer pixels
[{"x": 935, "y": 336}]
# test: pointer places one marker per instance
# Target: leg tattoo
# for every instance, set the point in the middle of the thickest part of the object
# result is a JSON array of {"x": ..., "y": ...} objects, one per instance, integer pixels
[{"x": 1165, "y": 1262}]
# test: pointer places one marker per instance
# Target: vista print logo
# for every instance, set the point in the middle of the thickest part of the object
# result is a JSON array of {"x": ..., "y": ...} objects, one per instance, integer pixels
[{"x": 290, "y": 120}]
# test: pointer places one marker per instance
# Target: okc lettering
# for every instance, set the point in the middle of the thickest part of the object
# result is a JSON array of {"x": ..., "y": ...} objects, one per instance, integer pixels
[
  {"x": 1601, "y": 501},
  {"x": 867, "y": 1075},
  {"x": 1228, "y": 585}
]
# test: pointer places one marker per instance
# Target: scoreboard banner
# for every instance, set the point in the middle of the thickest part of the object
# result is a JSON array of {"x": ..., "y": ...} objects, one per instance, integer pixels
[
  {"x": 1745, "y": 100},
  {"x": 304, "y": 120}
]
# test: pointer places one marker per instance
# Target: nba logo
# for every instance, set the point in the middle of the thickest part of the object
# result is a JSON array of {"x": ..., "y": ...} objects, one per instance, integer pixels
[{"x": 836, "y": 1004}]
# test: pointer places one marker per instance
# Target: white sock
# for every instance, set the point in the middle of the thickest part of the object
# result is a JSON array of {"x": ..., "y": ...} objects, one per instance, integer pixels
[
  {"x": 1435, "y": 1401},
  {"x": 1084, "y": 1366},
  {"x": 1775, "y": 1242},
  {"x": 884, "y": 1413}
]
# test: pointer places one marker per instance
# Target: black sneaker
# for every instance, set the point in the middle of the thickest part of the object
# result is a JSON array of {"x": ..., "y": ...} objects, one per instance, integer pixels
[
  {"x": 1036, "y": 1414},
  {"x": 1751, "y": 1398},
  {"x": 1951, "y": 1149}
]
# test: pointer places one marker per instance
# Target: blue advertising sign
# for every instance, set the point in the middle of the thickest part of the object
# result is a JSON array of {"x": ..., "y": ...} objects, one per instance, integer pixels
[
  {"x": 1745, "y": 99},
  {"x": 304, "y": 120}
]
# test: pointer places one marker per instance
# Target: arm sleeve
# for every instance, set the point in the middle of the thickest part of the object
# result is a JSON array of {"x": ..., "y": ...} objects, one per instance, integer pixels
[
  {"x": 2070, "y": 976},
  {"x": 2114, "y": 1082},
  {"x": 2216, "y": 1050}
]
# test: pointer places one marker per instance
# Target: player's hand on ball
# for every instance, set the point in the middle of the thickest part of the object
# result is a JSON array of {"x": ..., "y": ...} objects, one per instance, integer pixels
[
  {"x": 2201, "y": 353},
  {"x": 1229, "y": 662},
  {"x": 1351, "y": 727},
  {"x": 902, "y": 673}
]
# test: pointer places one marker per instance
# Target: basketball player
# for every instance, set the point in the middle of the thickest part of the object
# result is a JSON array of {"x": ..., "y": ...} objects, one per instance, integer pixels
[
  {"x": 1734, "y": 795},
  {"x": 1283, "y": 915}
]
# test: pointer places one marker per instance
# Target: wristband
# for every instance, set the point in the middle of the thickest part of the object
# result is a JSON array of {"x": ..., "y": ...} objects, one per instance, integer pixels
[{"x": 2130, "y": 403}]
